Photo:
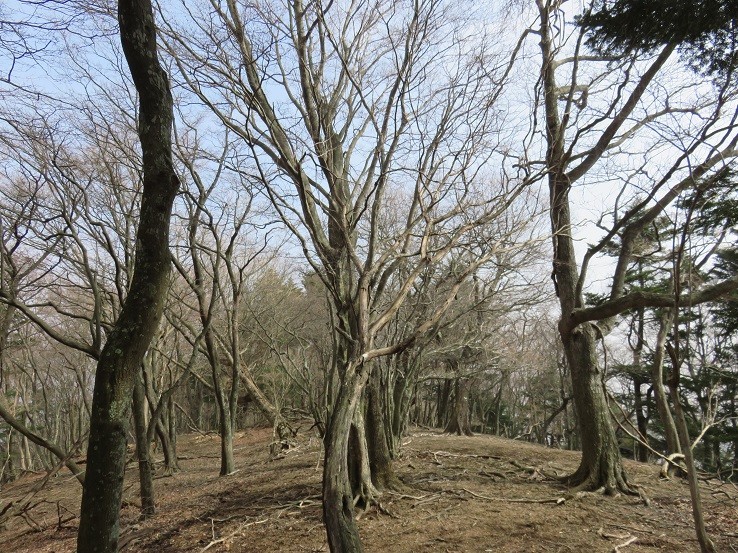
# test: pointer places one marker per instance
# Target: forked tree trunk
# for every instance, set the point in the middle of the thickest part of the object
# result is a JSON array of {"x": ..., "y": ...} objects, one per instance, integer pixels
[
  {"x": 601, "y": 465},
  {"x": 338, "y": 499},
  {"x": 121, "y": 358},
  {"x": 168, "y": 446}
]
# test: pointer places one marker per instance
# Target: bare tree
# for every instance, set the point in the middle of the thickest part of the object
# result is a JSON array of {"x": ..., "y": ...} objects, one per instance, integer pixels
[
  {"x": 222, "y": 255},
  {"x": 346, "y": 109}
]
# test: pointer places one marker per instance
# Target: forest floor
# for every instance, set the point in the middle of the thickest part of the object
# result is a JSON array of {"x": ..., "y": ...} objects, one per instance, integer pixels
[{"x": 462, "y": 494}]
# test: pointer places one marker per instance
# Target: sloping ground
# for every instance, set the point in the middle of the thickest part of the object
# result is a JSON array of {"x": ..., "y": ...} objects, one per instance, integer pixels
[{"x": 462, "y": 494}]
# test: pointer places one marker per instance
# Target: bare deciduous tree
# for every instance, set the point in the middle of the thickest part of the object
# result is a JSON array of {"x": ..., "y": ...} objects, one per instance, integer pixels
[{"x": 347, "y": 109}]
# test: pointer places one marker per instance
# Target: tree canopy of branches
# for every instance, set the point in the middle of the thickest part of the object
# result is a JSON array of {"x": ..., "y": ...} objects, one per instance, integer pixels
[{"x": 381, "y": 203}]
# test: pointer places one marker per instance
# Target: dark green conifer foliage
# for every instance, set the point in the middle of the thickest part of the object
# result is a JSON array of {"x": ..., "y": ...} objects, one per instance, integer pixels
[{"x": 706, "y": 31}]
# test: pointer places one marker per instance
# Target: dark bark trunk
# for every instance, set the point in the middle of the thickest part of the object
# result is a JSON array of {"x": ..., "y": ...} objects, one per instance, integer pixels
[
  {"x": 168, "y": 447},
  {"x": 227, "y": 464},
  {"x": 460, "y": 421},
  {"x": 399, "y": 414},
  {"x": 402, "y": 395},
  {"x": 640, "y": 449},
  {"x": 497, "y": 410},
  {"x": 121, "y": 358},
  {"x": 444, "y": 399},
  {"x": 143, "y": 453},
  {"x": 601, "y": 465}
]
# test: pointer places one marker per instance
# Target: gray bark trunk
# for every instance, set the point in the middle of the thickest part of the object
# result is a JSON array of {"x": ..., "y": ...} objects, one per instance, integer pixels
[
  {"x": 706, "y": 545},
  {"x": 143, "y": 452},
  {"x": 659, "y": 390},
  {"x": 380, "y": 457},
  {"x": 338, "y": 500},
  {"x": 601, "y": 464}
]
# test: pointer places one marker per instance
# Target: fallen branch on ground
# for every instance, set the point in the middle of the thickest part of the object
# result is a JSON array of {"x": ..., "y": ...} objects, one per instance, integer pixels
[
  {"x": 232, "y": 534},
  {"x": 556, "y": 500},
  {"x": 626, "y": 543}
]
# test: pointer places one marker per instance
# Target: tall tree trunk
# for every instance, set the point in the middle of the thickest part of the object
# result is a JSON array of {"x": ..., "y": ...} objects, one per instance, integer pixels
[
  {"x": 143, "y": 453},
  {"x": 444, "y": 399},
  {"x": 706, "y": 545},
  {"x": 601, "y": 465},
  {"x": 120, "y": 360},
  {"x": 641, "y": 449},
  {"x": 400, "y": 412},
  {"x": 659, "y": 390},
  {"x": 401, "y": 396},
  {"x": 227, "y": 463},
  {"x": 225, "y": 421}
]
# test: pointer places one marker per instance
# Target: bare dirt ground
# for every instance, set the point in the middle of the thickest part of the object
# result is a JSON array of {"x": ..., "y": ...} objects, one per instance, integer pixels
[{"x": 462, "y": 494}]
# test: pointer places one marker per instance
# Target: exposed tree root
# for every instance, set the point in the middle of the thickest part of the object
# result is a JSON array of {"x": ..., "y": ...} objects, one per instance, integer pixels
[
  {"x": 554, "y": 500},
  {"x": 366, "y": 496},
  {"x": 673, "y": 465},
  {"x": 610, "y": 480}
]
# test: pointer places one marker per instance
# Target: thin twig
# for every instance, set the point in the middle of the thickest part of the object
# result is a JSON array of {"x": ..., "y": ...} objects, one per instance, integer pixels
[{"x": 626, "y": 543}]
